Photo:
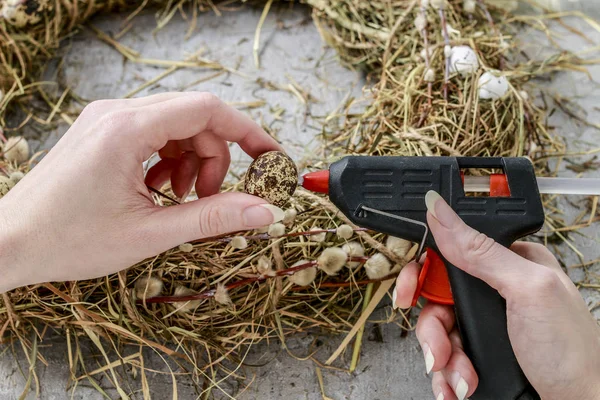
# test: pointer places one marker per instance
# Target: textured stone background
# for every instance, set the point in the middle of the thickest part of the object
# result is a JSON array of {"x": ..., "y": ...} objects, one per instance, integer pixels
[{"x": 291, "y": 49}]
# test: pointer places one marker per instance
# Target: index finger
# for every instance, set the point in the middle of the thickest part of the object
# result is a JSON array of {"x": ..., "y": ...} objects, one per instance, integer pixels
[{"x": 188, "y": 115}]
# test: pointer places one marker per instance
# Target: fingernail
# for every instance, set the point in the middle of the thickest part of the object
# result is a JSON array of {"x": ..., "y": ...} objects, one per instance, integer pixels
[
  {"x": 440, "y": 396},
  {"x": 429, "y": 360},
  {"x": 438, "y": 207},
  {"x": 261, "y": 215},
  {"x": 430, "y": 199},
  {"x": 394, "y": 297},
  {"x": 460, "y": 385},
  {"x": 185, "y": 195}
]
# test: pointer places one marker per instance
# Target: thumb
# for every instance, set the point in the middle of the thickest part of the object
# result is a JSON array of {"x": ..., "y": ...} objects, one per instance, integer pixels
[
  {"x": 472, "y": 251},
  {"x": 211, "y": 216}
]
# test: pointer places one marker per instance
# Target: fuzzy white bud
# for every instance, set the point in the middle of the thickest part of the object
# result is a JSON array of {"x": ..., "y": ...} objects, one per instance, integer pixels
[
  {"x": 147, "y": 287},
  {"x": 398, "y": 246},
  {"x": 276, "y": 230},
  {"x": 344, "y": 231},
  {"x": 332, "y": 260},
  {"x": 353, "y": 249},
  {"x": 16, "y": 176},
  {"x": 532, "y": 147},
  {"x": 378, "y": 266},
  {"x": 447, "y": 51},
  {"x": 289, "y": 216},
  {"x": 425, "y": 52},
  {"x": 524, "y": 95},
  {"x": 303, "y": 277},
  {"x": 420, "y": 22},
  {"x": 429, "y": 75},
  {"x": 222, "y": 295},
  {"x": 264, "y": 266},
  {"x": 451, "y": 31},
  {"x": 239, "y": 242},
  {"x": 470, "y": 6},
  {"x": 424, "y": 3},
  {"x": 183, "y": 307},
  {"x": 317, "y": 237},
  {"x": 264, "y": 229},
  {"x": 186, "y": 247},
  {"x": 16, "y": 149}
]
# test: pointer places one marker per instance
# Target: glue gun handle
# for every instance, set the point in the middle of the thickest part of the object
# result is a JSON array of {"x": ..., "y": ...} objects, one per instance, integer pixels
[{"x": 481, "y": 318}]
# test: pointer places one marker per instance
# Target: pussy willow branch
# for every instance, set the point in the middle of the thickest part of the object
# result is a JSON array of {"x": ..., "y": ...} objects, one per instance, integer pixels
[
  {"x": 211, "y": 292},
  {"x": 447, "y": 59},
  {"x": 266, "y": 236},
  {"x": 486, "y": 11},
  {"x": 423, "y": 12}
]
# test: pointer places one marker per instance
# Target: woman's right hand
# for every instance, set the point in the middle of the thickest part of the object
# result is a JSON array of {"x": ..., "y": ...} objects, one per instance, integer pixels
[{"x": 555, "y": 338}]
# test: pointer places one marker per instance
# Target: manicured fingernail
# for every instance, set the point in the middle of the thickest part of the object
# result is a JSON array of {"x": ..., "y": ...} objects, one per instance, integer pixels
[
  {"x": 440, "y": 396},
  {"x": 261, "y": 215},
  {"x": 460, "y": 385},
  {"x": 438, "y": 207},
  {"x": 394, "y": 297},
  {"x": 429, "y": 360},
  {"x": 185, "y": 195},
  {"x": 430, "y": 199}
]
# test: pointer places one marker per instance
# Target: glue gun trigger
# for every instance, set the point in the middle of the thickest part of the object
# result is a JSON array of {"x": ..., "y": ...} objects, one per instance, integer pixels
[{"x": 433, "y": 283}]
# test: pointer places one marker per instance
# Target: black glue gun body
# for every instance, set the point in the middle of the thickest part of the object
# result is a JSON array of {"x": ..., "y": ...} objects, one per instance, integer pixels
[{"x": 387, "y": 194}]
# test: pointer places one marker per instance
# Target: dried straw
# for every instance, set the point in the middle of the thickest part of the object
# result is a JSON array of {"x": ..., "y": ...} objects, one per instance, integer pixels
[{"x": 405, "y": 114}]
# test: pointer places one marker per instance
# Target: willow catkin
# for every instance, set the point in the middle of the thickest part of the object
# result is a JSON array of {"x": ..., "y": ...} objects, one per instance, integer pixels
[
  {"x": 16, "y": 149},
  {"x": 16, "y": 176},
  {"x": 378, "y": 266},
  {"x": 398, "y": 246},
  {"x": 332, "y": 260},
  {"x": 317, "y": 237},
  {"x": 264, "y": 266},
  {"x": 239, "y": 242},
  {"x": 276, "y": 230},
  {"x": 344, "y": 231},
  {"x": 289, "y": 216},
  {"x": 146, "y": 287},
  {"x": 186, "y": 247},
  {"x": 353, "y": 249},
  {"x": 303, "y": 277},
  {"x": 222, "y": 295},
  {"x": 183, "y": 307}
]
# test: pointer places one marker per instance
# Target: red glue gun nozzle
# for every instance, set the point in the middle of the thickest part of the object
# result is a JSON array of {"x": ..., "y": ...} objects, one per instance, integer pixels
[{"x": 316, "y": 181}]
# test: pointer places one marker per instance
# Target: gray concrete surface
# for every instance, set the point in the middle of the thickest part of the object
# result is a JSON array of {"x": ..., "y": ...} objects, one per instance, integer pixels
[{"x": 290, "y": 47}]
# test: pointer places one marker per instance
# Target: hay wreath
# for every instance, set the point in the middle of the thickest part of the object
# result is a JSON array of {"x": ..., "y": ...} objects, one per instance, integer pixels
[{"x": 446, "y": 78}]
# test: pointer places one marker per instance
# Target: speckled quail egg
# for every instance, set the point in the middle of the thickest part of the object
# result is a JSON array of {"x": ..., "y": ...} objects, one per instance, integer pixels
[
  {"x": 20, "y": 13},
  {"x": 273, "y": 176}
]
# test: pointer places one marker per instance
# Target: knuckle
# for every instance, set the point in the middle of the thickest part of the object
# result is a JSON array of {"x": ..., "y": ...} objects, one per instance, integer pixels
[
  {"x": 479, "y": 246},
  {"x": 545, "y": 281},
  {"x": 117, "y": 123},
  {"x": 208, "y": 101},
  {"x": 96, "y": 108},
  {"x": 213, "y": 221}
]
